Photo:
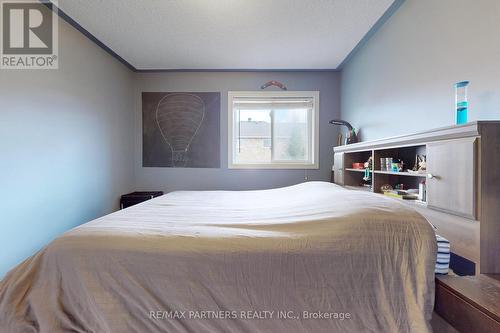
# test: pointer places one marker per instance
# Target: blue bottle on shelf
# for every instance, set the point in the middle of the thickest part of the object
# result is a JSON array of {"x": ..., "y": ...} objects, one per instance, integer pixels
[{"x": 461, "y": 103}]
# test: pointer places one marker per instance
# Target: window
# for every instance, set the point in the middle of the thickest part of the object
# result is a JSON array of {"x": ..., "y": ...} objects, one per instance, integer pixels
[{"x": 273, "y": 129}]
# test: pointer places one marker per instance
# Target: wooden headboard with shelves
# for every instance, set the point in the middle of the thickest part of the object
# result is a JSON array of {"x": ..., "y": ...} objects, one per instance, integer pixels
[{"x": 462, "y": 181}]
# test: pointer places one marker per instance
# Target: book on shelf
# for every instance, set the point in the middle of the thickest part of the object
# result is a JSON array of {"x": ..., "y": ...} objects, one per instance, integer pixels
[{"x": 401, "y": 194}]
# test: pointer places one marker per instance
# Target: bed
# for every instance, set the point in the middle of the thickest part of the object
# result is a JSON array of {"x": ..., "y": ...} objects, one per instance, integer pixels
[{"x": 313, "y": 257}]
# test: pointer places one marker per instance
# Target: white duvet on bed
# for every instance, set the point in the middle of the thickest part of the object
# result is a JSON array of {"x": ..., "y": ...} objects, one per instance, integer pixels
[{"x": 303, "y": 250}]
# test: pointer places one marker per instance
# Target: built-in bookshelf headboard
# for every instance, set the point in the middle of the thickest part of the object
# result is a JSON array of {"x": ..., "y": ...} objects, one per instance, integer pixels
[{"x": 461, "y": 177}]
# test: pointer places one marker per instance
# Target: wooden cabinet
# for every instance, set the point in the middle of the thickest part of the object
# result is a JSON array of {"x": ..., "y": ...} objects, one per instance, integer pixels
[
  {"x": 463, "y": 188},
  {"x": 469, "y": 304},
  {"x": 451, "y": 182}
]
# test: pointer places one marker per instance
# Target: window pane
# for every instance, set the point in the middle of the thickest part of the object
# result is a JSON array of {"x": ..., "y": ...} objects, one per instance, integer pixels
[
  {"x": 273, "y": 130},
  {"x": 252, "y": 139},
  {"x": 291, "y": 135}
]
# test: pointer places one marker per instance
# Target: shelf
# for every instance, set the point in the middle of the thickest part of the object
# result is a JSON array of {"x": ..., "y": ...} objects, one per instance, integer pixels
[
  {"x": 356, "y": 170},
  {"x": 359, "y": 188},
  {"x": 444, "y": 133},
  {"x": 412, "y": 203},
  {"x": 401, "y": 173}
]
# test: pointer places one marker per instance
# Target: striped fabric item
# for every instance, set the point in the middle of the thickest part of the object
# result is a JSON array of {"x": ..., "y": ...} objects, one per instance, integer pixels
[{"x": 443, "y": 255}]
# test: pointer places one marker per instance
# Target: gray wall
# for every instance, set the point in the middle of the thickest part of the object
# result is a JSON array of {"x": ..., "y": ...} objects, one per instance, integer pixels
[
  {"x": 402, "y": 79},
  {"x": 169, "y": 179},
  {"x": 65, "y": 143}
]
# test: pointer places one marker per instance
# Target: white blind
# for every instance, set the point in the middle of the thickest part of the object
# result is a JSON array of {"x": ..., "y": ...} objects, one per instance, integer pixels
[{"x": 270, "y": 103}]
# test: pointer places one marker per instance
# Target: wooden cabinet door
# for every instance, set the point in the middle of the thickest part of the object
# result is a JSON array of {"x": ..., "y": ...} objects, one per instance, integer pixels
[
  {"x": 451, "y": 181},
  {"x": 338, "y": 168}
]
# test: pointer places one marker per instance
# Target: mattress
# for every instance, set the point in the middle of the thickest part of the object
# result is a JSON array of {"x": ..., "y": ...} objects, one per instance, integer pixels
[{"x": 313, "y": 257}]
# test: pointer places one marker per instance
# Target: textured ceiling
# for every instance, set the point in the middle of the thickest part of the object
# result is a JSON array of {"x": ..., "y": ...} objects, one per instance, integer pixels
[{"x": 228, "y": 34}]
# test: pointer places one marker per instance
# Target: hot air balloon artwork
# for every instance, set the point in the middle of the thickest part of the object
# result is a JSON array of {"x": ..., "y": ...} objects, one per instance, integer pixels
[
  {"x": 181, "y": 129},
  {"x": 179, "y": 117}
]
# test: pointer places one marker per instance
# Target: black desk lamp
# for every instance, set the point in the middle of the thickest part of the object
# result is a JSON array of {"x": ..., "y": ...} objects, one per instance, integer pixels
[{"x": 351, "y": 136}]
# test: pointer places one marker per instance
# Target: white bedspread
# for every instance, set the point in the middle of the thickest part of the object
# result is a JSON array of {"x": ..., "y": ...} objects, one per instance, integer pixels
[{"x": 306, "y": 250}]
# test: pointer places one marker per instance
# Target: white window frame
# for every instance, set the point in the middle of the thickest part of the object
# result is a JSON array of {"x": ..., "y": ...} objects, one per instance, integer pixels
[{"x": 314, "y": 135}]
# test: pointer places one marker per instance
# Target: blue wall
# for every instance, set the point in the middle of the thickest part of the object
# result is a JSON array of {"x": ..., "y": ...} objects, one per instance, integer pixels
[
  {"x": 65, "y": 145},
  {"x": 71, "y": 141},
  {"x": 401, "y": 80}
]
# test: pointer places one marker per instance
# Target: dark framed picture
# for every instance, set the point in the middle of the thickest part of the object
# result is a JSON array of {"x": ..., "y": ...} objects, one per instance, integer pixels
[{"x": 181, "y": 129}]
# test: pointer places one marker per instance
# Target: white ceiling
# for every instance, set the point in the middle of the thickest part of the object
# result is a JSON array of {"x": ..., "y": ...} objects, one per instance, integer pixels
[{"x": 228, "y": 34}]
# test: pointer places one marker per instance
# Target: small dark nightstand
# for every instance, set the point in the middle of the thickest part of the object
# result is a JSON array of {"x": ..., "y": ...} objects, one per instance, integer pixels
[{"x": 134, "y": 198}]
